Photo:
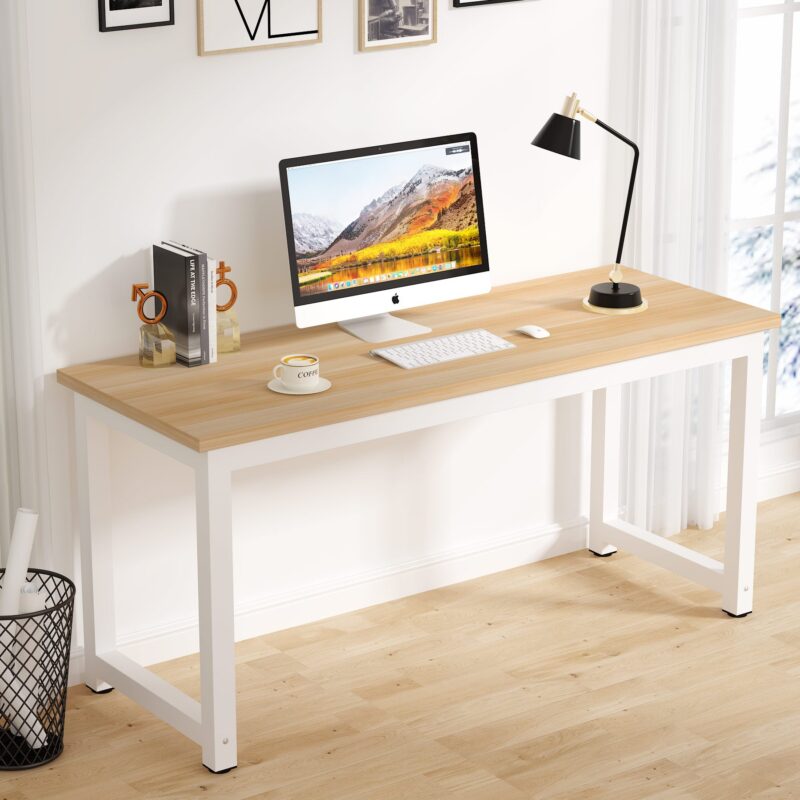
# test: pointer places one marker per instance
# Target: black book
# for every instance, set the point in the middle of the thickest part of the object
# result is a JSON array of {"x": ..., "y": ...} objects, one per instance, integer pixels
[
  {"x": 176, "y": 274},
  {"x": 206, "y": 354}
]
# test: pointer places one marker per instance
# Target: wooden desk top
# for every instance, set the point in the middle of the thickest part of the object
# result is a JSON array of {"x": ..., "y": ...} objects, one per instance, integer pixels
[{"x": 227, "y": 403}]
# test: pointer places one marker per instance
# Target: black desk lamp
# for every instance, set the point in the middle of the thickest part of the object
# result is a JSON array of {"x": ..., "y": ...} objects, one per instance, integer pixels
[{"x": 562, "y": 134}]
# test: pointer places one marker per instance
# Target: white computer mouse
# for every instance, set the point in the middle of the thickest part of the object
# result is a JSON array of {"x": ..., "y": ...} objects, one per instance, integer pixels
[{"x": 534, "y": 331}]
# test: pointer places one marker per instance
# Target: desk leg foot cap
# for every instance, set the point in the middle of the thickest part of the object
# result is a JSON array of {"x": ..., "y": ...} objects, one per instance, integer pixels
[
  {"x": 603, "y": 555},
  {"x": 100, "y": 691},
  {"x": 738, "y": 616},
  {"x": 219, "y": 771}
]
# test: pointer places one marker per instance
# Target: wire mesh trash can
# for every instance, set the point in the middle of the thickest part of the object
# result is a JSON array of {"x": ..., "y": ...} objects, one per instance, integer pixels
[{"x": 34, "y": 666}]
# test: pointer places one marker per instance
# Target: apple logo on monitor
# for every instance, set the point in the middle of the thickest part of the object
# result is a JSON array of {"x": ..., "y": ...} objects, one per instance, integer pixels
[{"x": 395, "y": 298}]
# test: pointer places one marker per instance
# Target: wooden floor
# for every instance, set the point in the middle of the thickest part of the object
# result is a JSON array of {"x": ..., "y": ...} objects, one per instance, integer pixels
[{"x": 572, "y": 678}]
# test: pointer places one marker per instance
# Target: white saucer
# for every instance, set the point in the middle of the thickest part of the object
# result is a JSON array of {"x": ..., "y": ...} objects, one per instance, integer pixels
[{"x": 277, "y": 386}]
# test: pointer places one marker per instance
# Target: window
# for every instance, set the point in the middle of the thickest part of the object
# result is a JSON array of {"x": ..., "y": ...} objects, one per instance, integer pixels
[{"x": 765, "y": 188}]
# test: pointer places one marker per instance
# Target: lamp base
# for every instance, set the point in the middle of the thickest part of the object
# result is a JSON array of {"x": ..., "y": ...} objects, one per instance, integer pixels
[{"x": 615, "y": 299}]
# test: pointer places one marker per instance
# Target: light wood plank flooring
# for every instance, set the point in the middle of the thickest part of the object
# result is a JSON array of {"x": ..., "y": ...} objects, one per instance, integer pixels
[{"x": 573, "y": 678}]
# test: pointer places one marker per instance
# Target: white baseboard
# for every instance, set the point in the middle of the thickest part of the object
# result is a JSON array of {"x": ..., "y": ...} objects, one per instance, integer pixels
[
  {"x": 75, "y": 666},
  {"x": 772, "y": 482},
  {"x": 779, "y": 481},
  {"x": 313, "y": 603}
]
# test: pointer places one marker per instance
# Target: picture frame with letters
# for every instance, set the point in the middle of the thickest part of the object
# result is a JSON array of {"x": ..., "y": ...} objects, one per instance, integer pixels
[{"x": 235, "y": 26}]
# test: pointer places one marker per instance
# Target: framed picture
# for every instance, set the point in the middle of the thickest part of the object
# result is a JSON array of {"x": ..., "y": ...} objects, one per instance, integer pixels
[
  {"x": 396, "y": 23},
  {"x": 122, "y": 15},
  {"x": 463, "y": 3},
  {"x": 232, "y": 26}
]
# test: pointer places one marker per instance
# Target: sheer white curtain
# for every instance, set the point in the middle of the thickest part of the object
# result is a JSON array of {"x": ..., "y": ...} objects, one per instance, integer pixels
[
  {"x": 23, "y": 452},
  {"x": 680, "y": 88}
]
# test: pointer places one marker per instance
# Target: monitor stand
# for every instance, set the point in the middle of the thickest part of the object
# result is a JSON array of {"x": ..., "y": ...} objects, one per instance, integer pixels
[{"x": 382, "y": 328}]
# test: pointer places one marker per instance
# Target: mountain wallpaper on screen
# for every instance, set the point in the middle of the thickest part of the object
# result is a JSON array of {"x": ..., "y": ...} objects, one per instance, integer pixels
[
  {"x": 434, "y": 208},
  {"x": 313, "y": 234}
]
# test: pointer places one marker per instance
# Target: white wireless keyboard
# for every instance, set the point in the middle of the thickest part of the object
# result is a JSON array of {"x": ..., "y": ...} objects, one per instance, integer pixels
[{"x": 425, "y": 352}]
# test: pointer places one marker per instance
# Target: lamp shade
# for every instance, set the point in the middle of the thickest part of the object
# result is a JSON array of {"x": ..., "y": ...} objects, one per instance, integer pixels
[{"x": 560, "y": 135}]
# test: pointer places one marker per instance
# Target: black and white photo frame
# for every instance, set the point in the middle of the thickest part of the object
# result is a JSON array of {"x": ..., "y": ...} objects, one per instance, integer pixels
[
  {"x": 123, "y": 15},
  {"x": 396, "y": 23},
  {"x": 465, "y": 3},
  {"x": 233, "y": 26}
]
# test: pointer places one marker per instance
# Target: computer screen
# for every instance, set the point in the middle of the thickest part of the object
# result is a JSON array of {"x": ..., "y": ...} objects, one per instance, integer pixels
[{"x": 382, "y": 217}]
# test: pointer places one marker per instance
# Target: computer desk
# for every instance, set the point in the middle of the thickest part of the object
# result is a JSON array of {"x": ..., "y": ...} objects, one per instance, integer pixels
[{"x": 221, "y": 418}]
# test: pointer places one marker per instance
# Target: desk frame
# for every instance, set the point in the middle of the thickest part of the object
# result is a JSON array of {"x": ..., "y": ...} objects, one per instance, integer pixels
[{"x": 212, "y": 722}]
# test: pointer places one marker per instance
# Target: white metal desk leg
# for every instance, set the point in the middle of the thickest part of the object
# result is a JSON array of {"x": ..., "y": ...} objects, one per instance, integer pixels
[
  {"x": 97, "y": 569},
  {"x": 604, "y": 486},
  {"x": 215, "y": 595},
  {"x": 740, "y": 525}
]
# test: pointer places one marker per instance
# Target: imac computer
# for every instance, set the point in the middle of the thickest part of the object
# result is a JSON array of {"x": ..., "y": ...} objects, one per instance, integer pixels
[{"x": 383, "y": 229}]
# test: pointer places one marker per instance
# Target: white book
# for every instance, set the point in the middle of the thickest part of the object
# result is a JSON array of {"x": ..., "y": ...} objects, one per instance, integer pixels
[{"x": 212, "y": 310}]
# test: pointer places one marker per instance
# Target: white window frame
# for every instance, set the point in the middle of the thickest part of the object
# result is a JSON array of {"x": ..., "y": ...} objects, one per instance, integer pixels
[{"x": 780, "y": 215}]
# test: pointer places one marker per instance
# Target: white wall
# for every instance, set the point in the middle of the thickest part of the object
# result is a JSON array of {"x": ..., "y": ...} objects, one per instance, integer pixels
[{"x": 135, "y": 138}]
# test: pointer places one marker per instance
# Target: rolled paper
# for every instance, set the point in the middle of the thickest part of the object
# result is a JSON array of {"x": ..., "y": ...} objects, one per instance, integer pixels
[
  {"x": 19, "y": 558},
  {"x": 17, "y": 698},
  {"x": 31, "y": 599},
  {"x": 28, "y": 652},
  {"x": 18, "y": 704},
  {"x": 20, "y": 692}
]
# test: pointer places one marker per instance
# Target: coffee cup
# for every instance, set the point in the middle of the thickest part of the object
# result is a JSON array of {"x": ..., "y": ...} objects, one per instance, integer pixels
[{"x": 298, "y": 372}]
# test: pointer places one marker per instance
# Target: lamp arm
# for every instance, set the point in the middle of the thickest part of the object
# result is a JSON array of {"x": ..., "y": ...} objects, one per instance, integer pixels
[{"x": 629, "y": 200}]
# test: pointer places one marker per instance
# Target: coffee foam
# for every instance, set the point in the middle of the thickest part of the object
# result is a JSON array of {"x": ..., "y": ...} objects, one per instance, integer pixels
[{"x": 299, "y": 361}]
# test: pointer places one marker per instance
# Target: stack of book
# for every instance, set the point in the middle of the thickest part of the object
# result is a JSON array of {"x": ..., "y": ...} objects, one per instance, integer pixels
[{"x": 187, "y": 279}]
